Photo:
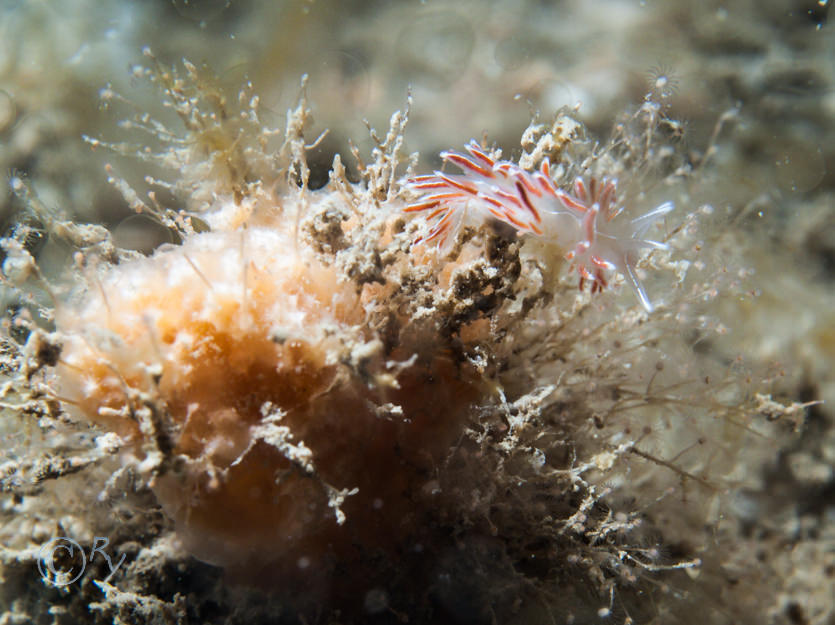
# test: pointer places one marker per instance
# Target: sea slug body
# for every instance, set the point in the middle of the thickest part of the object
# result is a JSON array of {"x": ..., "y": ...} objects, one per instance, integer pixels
[{"x": 584, "y": 223}]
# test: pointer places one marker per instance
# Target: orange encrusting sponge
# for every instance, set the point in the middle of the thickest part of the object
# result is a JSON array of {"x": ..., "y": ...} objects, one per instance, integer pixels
[{"x": 295, "y": 440}]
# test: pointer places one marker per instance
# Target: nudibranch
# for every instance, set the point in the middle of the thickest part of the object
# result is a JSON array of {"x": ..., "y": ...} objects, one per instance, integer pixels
[{"x": 583, "y": 223}]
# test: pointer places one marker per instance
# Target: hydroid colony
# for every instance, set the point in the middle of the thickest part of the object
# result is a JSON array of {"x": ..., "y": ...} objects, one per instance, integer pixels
[{"x": 380, "y": 429}]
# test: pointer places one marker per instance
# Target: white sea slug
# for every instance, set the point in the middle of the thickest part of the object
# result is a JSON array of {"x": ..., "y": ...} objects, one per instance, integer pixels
[{"x": 584, "y": 224}]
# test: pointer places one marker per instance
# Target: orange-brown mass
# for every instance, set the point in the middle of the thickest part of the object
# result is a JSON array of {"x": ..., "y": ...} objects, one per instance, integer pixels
[{"x": 287, "y": 437}]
